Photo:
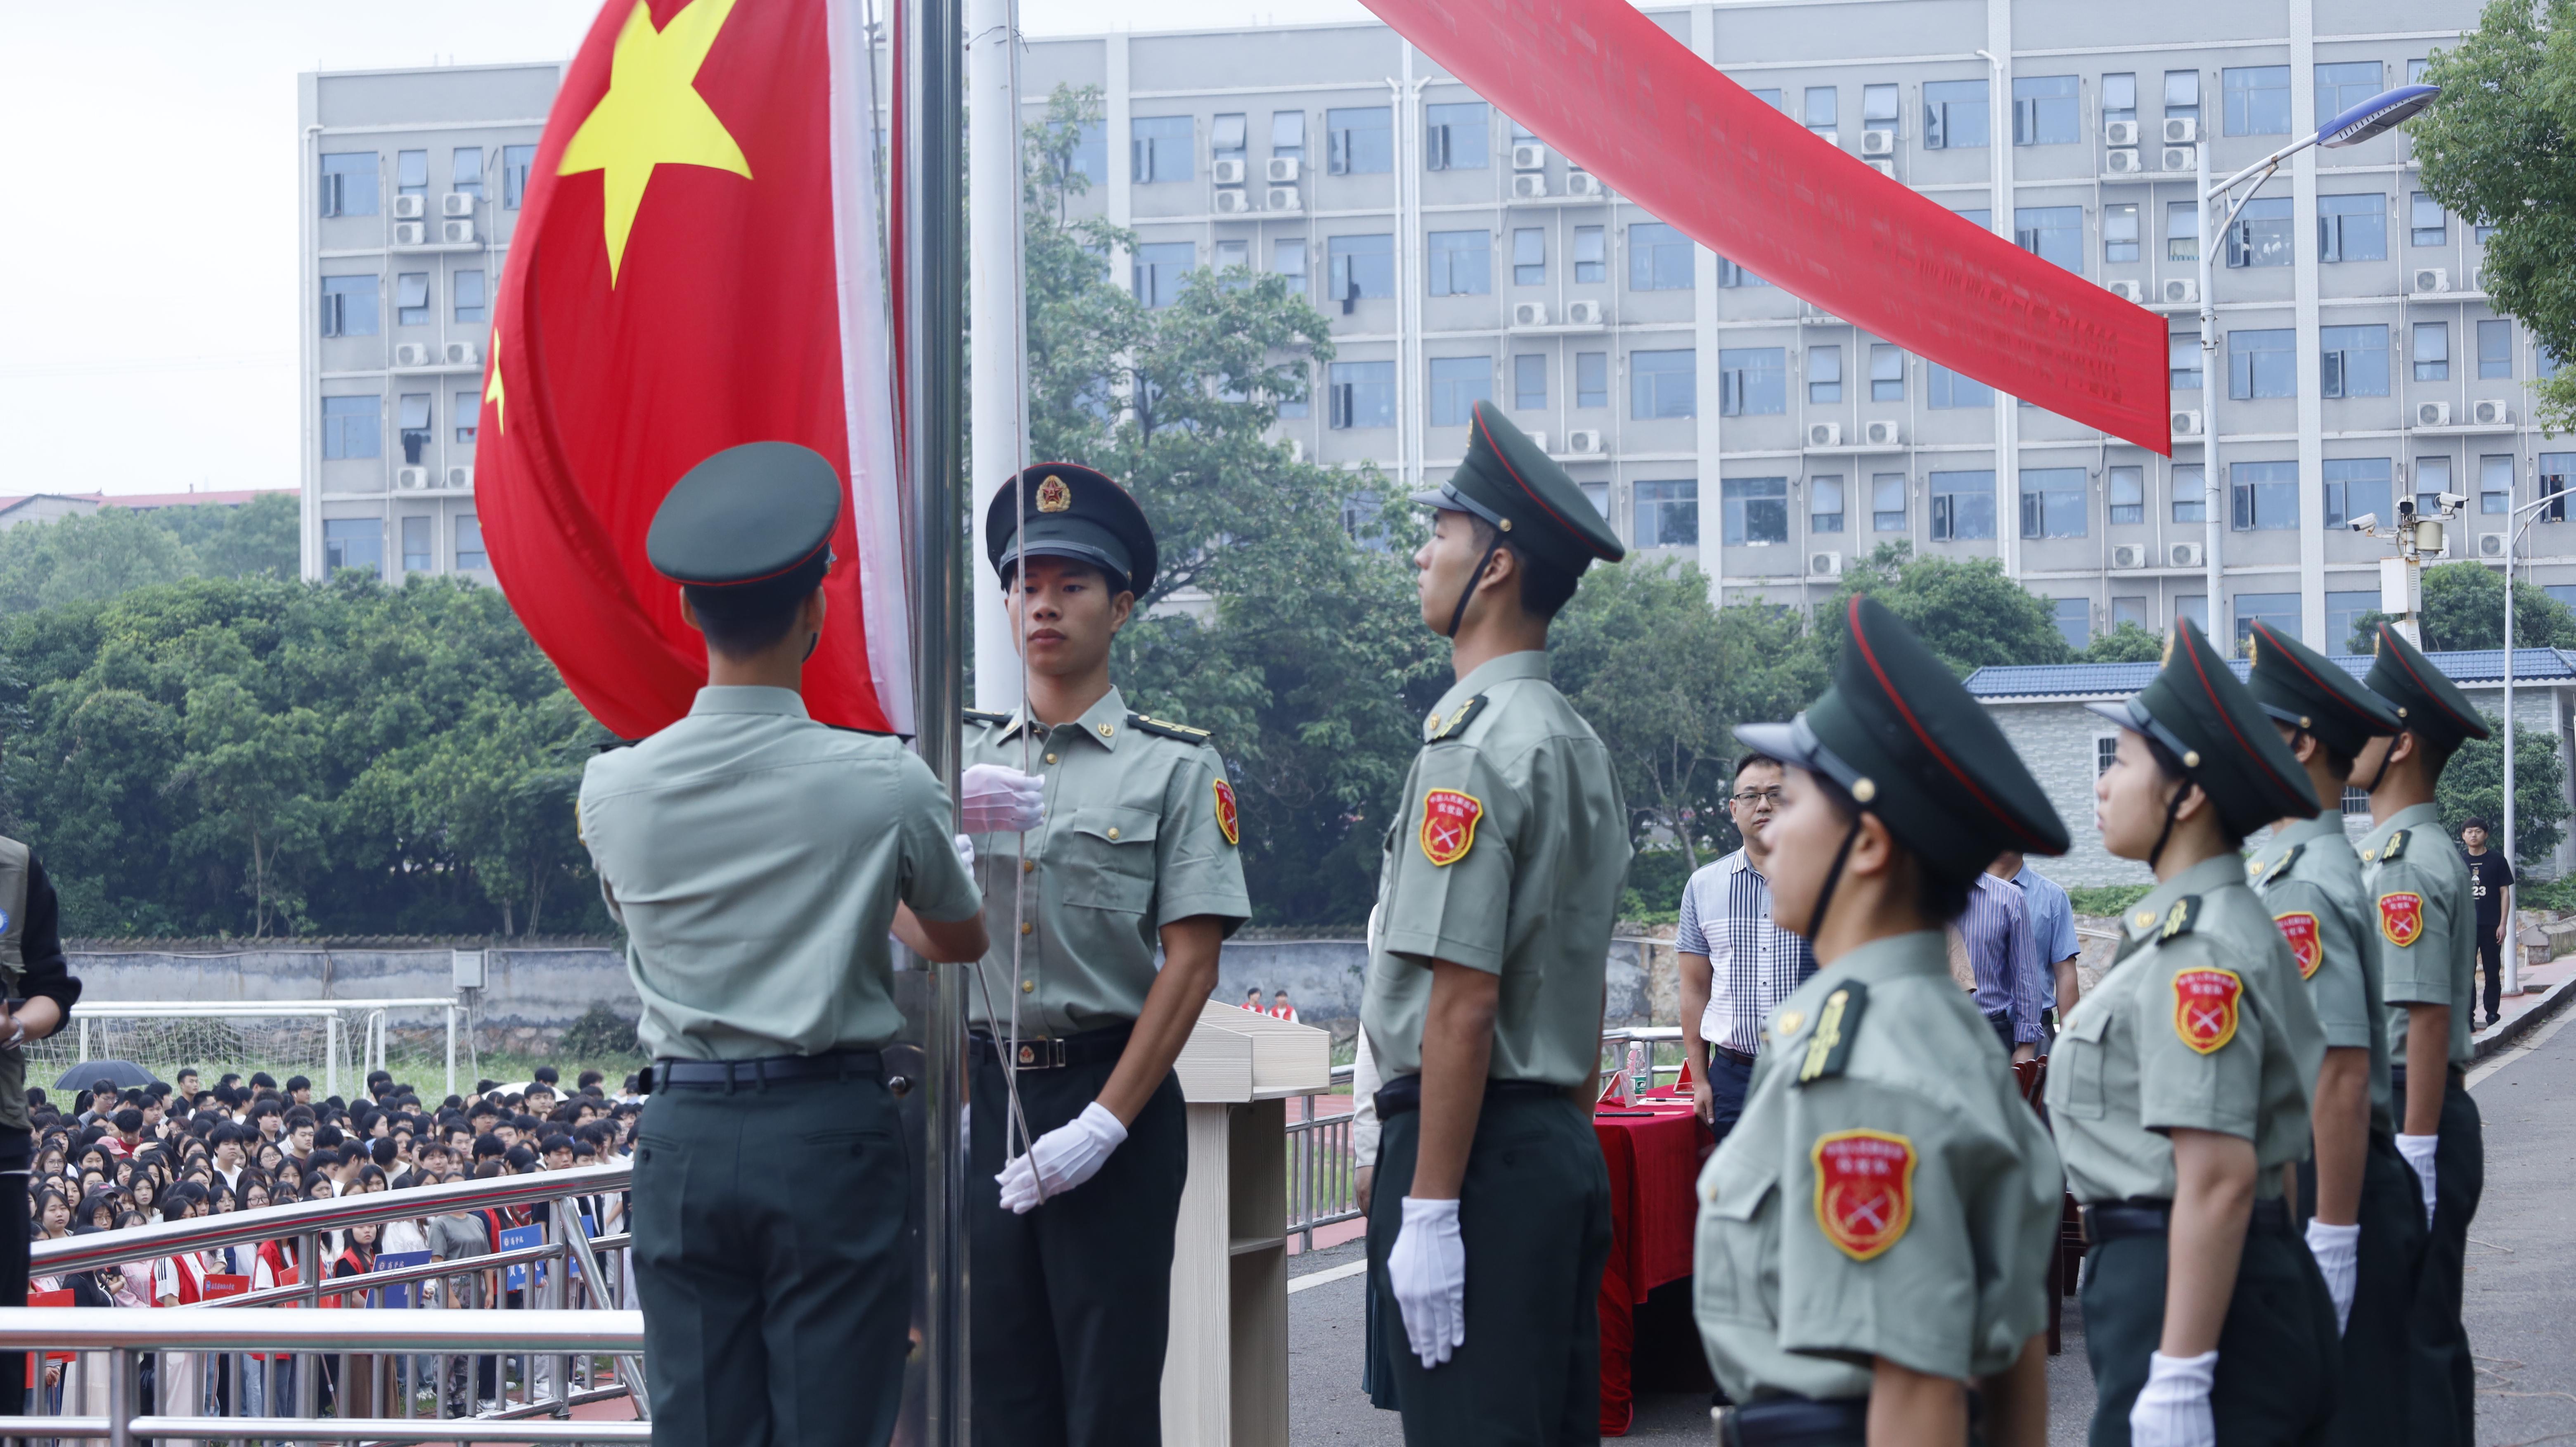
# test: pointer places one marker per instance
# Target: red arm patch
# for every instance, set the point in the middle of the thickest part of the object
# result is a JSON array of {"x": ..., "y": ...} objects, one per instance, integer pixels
[
  {"x": 1227, "y": 820},
  {"x": 1449, "y": 825},
  {"x": 2205, "y": 1007},
  {"x": 2300, "y": 929},
  {"x": 2401, "y": 918},
  {"x": 1864, "y": 1190}
]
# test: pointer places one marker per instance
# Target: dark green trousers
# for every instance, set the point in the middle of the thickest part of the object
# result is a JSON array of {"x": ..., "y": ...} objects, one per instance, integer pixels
[
  {"x": 1534, "y": 1213},
  {"x": 2442, "y": 1408},
  {"x": 2277, "y": 1353},
  {"x": 770, "y": 1257},
  {"x": 1072, "y": 1305}
]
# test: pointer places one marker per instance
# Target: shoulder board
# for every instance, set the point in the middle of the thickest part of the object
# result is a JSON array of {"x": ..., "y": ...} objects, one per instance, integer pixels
[
  {"x": 1436, "y": 728},
  {"x": 2285, "y": 863},
  {"x": 1168, "y": 729},
  {"x": 986, "y": 716},
  {"x": 2179, "y": 919},
  {"x": 855, "y": 729},
  {"x": 2396, "y": 846},
  {"x": 612, "y": 746},
  {"x": 1828, "y": 1050}
]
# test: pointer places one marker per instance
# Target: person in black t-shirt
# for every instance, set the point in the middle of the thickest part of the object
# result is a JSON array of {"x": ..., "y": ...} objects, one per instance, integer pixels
[{"x": 2491, "y": 886}]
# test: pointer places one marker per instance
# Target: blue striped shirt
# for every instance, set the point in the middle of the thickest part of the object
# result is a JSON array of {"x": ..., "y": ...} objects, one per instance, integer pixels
[{"x": 1996, "y": 927}]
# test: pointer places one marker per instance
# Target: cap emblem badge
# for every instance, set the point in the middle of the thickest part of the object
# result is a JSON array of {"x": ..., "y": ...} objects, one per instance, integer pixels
[{"x": 1054, "y": 495}]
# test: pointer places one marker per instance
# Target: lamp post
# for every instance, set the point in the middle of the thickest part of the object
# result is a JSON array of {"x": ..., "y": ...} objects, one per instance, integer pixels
[
  {"x": 2372, "y": 117},
  {"x": 2521, "y": 520}
]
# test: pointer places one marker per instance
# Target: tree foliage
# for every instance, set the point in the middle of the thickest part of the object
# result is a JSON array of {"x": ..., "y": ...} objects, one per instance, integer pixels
[
  {"x": 1968, "y": 611},
  {"x": 2472, "y": 787},
  {"x": 89, "y": 559},
  {"x": 2463, "y": 608}
]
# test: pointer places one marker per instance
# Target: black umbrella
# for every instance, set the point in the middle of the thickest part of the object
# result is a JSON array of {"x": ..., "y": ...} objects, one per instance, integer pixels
[{"x": 123, "y": 1074}]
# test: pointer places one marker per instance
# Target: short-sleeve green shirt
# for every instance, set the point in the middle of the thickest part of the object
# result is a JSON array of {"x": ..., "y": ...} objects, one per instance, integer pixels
[
  {"x": 2202, "y": 1023},
  {"x": 2309, "y": 877},
  {"x": 1508, "y": 858},
  {"x": 2424, "y": 922},
  {"x": 1141, "y": 830},
  {"x": 755, "y": 857},
  {"x": 1904, "y": 1207}
]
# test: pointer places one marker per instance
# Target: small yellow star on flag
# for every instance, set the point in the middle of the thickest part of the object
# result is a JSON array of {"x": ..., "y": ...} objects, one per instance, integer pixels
[
  {"x": 492, "y": 392},
  {"x": 652, "y": 115}
]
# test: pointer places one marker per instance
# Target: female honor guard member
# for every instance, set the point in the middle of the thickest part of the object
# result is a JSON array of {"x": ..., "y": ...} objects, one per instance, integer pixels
[
  {"x": 1874, "y": 1234},
  {"x": 1489, "y": 1216},
  {"x": 757, "y": 860},
  {"x": 2427, "y": 927},
  {"x": 2179, "y": 1089},
  {"x": 1073, "y": 1238},
  {"x": 2366, "y": 1230}
]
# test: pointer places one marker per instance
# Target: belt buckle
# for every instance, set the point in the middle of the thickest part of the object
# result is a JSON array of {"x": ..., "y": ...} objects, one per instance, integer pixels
[{"x": 1040, "y": 1054}]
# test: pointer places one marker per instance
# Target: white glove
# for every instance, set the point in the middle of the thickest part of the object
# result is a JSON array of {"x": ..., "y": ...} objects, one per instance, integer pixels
[
  {"x": 1062, "y": 1159},
  {"x": 996, "y": 799},
  {"x": 966, "y": 853},
  {"x": 2418, "y": 1151},
  {"x": 2338, "y": 1253},
  {"x": 1427, "y": 1270},
  {"x": 2172, "y": 1409}
]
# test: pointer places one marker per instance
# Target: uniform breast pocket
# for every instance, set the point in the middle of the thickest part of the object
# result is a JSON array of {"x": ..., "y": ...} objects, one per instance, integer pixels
[
  {"x": 1108, "y": 858},
  {"x": 2082, "y": 1050},
  {"x": 1739, "y": 1230}
]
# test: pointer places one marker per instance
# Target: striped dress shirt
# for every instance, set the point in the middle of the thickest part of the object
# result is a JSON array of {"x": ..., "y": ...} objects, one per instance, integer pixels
[
  {"x": 2004, "y": 955},
  {"x": 1753, "y": 963}
]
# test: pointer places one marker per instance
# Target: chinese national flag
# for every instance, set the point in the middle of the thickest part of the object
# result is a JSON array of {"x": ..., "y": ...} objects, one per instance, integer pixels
[{"x": 695, "y": 266}]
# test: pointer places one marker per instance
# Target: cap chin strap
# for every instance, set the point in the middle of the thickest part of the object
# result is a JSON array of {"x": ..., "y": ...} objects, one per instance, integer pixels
[
  {"x": 1458, "y": 614},
  {"x": 1833, "y": 878},
  {"x": 2173, "y": 806},
  {"x": 2385, "y": 760}
]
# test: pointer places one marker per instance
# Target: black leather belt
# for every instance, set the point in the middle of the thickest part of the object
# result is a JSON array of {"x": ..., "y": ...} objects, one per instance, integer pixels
[
  {"x": 1738, "y": 1056},
  {"x": 1056, "y": 1052},
  {"x": 2112, "y": 1220},
  {"x": 2456, "y": 1075},
  {"x": 1795, "y": 1422},
  {"x": 1404, "y": 1093},
  {"x": 735, "y": 1074}
]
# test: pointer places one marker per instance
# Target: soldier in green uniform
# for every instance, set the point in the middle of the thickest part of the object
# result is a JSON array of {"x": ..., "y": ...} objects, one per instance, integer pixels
[
  {"x": 1489, "y": 1218},
  {"x": 1134, "y": 857},
  {"x": 2179, "y": 1089},
  {"x": 41, "y": 991},
  {"x": 758, "y": 860},
  {"x": 2365, "y": 1228},
  {"x": 2426, "y": 926},
  {"x": 1874, "y": 1234}
]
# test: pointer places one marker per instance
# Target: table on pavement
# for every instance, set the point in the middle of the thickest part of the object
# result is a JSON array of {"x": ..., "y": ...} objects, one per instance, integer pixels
[{"x": 1652, "y": 1151}]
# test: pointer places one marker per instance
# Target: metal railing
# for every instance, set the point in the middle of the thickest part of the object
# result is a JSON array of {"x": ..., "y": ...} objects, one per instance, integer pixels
[{"x": 1323, "y": 1176}]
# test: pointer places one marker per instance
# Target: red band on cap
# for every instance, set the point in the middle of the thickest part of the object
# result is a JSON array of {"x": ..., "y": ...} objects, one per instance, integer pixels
[
  {"x": 2310, "y": 674},
  {"x": 2430, "y": 696},
  {"x": 1852, "y": 617},
  {"x": 1533, "y": 492},
  {"x": 766, "y": 577},
  {"x": 2212, "y": 691}
]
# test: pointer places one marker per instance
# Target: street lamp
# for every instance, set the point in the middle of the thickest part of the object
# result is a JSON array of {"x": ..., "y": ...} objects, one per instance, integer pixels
[
  {"x": 2523, "y": 517},
  {"x": 2372, "y": 117}
]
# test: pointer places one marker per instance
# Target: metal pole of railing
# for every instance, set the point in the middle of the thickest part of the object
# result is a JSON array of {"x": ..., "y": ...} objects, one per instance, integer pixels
[
  {"x": 331, "y": 1053},
  {"x": 630, "y": 1369},
  {"x": 308, "y": 1365},
  {"x": 120, "y": 1398},
  {"x": 451, "y": 1049},
  {"x": 562, "y": 1223}
]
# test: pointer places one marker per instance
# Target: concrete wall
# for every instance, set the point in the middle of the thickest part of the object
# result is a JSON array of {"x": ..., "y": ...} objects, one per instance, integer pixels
[
  {"x": 541, "y": 989},
  {"x": 1325, "y": 979}
]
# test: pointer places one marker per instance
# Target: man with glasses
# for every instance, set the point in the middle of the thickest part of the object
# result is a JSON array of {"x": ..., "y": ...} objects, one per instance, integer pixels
[{"x": 1735, "y": 963}]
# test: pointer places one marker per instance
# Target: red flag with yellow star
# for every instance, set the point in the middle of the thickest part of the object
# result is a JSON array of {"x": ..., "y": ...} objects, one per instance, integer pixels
[{"x": 695, "y": 266}]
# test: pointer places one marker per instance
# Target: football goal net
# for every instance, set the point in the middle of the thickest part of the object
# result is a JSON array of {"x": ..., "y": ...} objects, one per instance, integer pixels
[{"x": 333, "y": 1043}]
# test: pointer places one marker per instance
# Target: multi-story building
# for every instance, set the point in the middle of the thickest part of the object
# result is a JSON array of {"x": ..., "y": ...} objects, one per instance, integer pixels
[
  {"x": 1716, "y": 418},
  {"x": 412, "y": 184}
]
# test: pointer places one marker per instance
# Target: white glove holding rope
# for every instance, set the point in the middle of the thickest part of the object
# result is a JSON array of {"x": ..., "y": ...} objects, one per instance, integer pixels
[
  {"x": 2338, "y": 1253},
  {"x": 1426, "y": 1268},
  {"x": 2172, "y": 1409},
  {"x": 1062, "y": 1159},
  {"x": 2418, "y": 1151},
  {"x": 997, "y": 799}
]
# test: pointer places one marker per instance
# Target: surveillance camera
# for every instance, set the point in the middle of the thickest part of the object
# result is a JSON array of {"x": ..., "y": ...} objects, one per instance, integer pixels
[
  {"x": 2405, "y": 508},
  {"x": 2454, "y": 500},
  {"x": 2364, "y": 523}
]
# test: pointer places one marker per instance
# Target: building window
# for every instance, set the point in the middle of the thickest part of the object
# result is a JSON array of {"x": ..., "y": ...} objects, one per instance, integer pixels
[
  {"x": 465, "y": 171},
  {"x": 1821, "y": 107},
  {"x": 1592, "y": 379},
  {"x": 2352, "y": 228},
  {"x": 2343, "y": 620},
  {"x": 1359, "y": 140},
  {"x": 2495, "y": 350},
  {"x": 2106, "y": 752},
  {"x": 2074, "y": 620},
  {"x": 1227, "y": 136},
  {"x": 1360, "y": 268},
  {"x": 1457, "y": 385},
  {"x": 466, "y": 288},
  {"x": 2431, "y": 350},
  {"x": 1752, "y": 381},
  {"x": 1824, "y": 374},
  {"x": 1757, "y": 510},
  {"x": 1288, "y": 135},
  {"x": 1977, "y": 216},
  {"x": 2356, "y": 486},
  {"x": 1363, "y": 394},
  {"x": 352, "y": 428},
  {"x": 2262, "y": 363},
  {"x": 1667, "y": 514},
  {"x": 1963, "y": 506},
  {"x": 2495, "y": 484},
  {"x": 349, "y": 306},
  {"x": 2190, "y": 494},
  {"x": 2120, "y": 96},
  {"x": 2355, "y": 360},
  {"x": 411, "y": 173},
  {"x": 1665, "y": 384},
  {"x": 2182, "y": 363},
  {"x": 1288, "y": 261},
  {"x": 1880, "y": 107},
  {"x": 2343, "y": 85},
  {"x": 1659, "y": 257},
  {"x": 1454, "y": 137},
  {"x": 2257, "y": 99},
  {"x": 2120, "y": 233},
  {"x": 2052, "y": 502},
  {"x": 1089, "y": 153},
  {"x": 516, "y": 163},
  {"x": 2428, "y": 224},
  {"x": 2046, "y": 110},
  {"x": 468, "y": 411},
  {"x": 1529, "y": 256},
  {"x": 1825, "y": 504},
  {"x": 1887, "y": 502},
  {"x": 348, "y": 186},
  {"x": 2261, "y": 235},
  {"x": 1529, "y": 382},
  {"x": 2127, "y": 502},
  {"x": 1772, "y": 99},
  {"x": 2051, "y": 233},
  {"x": 1158, "y": 268},
  {"x": 1591, "y": 254},
  {"x": 413, "y": 413},
  {"x": 1158, "y": 149},
  {"x": 411, "y": 299},
  {"x": 2194, "y": 607},
  {"x": 416, "y": 554},
  {"x": 1730, "y": 275},
  {"x": 2554, "y": 475},
  {"x": 2182, "y": 95},
  {"x": 2432, "y": 479},
  {"x": 1945, "y": 389},
  {"x": 2266, "y": 496},
  {"x": 1954, "y": 115},
  {"x": 1598, "y": 494},
  {"x": 1462, "y": 263},
  {"x": 1292, "y": 399},
  {"x": 2279, "y": 610},
  {"x": 469, "y": 544},
  {"x": 354, "y": 543},
  {"x": 2182, "y": 231},
  {"x": 1232, "y": 256},
  {"x": 1886, "y": 372}
]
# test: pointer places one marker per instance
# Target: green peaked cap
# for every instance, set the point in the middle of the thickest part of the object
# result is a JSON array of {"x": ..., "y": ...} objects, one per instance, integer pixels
[
  {"x": 2197, "y": 711},
  {"x": 2428, "y": 702},
  {"x": 2303, "y": 688},
  {"x": 1512, "y": 484}
]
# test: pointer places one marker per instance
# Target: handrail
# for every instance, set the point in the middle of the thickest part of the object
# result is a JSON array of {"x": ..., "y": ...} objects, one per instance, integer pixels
[
  {"x": 296, "y": 1218},
  {"x": 536, "y": 1332},
  {"x": 329, "y": 1429},
  {"x": 254, "y": 1007}
]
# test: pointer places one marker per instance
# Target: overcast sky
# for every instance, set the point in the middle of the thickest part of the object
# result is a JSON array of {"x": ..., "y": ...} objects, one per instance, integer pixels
[{"x": 149, "y": 227}]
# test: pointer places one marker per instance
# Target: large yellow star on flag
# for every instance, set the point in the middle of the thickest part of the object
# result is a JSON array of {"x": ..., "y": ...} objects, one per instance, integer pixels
[{"x": 652, "y": 115}]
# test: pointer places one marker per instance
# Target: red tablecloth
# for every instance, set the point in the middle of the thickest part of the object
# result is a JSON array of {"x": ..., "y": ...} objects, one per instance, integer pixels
[{"x": 1652, "y": 1151}]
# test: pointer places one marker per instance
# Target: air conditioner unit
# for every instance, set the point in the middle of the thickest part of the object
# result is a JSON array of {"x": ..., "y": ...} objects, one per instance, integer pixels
[
  {"x": 2120, "y": 133},
  {"x": 2183, "y": 555},
  {"x": 2432, "y": 414},
  {"x": 2181, "y": 158},
  {"x": 2128, "y": 289},
  {"x": 1233, "y": 202},
  {"x": 1529, "y": 314},
  {"x": 2181, "y": 131},
  {"x": 1830, "y": 138},
  {"x": 411, "y": 477},
  {"x": 1883, "y": 434},
  {"x": 1284, "y": 198},
  {"x": 462, "y": 354},
  {"x": 2123, "y": 162},
  {"x": 2490, "y": 545},
  {"x": 411, "y": 233},
  {"x": 461, "y": 477},
  {"x": 1226, "y": 172},
  {"x": 1884, "y": 168},
  {"x": 2186, "y": 423},
  {"x": 410, "y": 208},
  {"x": 412, "y": 354},
  {"x": 1878, "y": 143},
  {"x": 2129, "y": 555},
  {"x": 1824, "y": 434},
  {"x": 456, "y": 233},
  {"x": 1824, "y": 565},
  {"x": 2478, "y": 281},
  {"x": 1583, "y": 314},
  {"x": 2432, "y": 278},
  {"x": 1528, "y": 156},
  {"x": 456, "y": 203},
  {"x": 2182, "y": 291},
  {"x": 1282, "y": 171},
  {"x": 1538, "y": 440},
  {"x": 1584, "y": 184},
  {"x": 1583, "y": 441},
  {"x": 2491, "y": 413},
  {"x": 1529, "y": 185}
]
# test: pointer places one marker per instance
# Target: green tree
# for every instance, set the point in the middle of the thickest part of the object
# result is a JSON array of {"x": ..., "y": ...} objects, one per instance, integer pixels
[
  {"x": 87, "y": 559},
  {"x": 1967, "y": 610},
  {"x": 2472, "y": 787},
  {"x": 2127, "y": 643},
  {"x": 262, "y": 536},
  {"x": 2463, "y": 608}
]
